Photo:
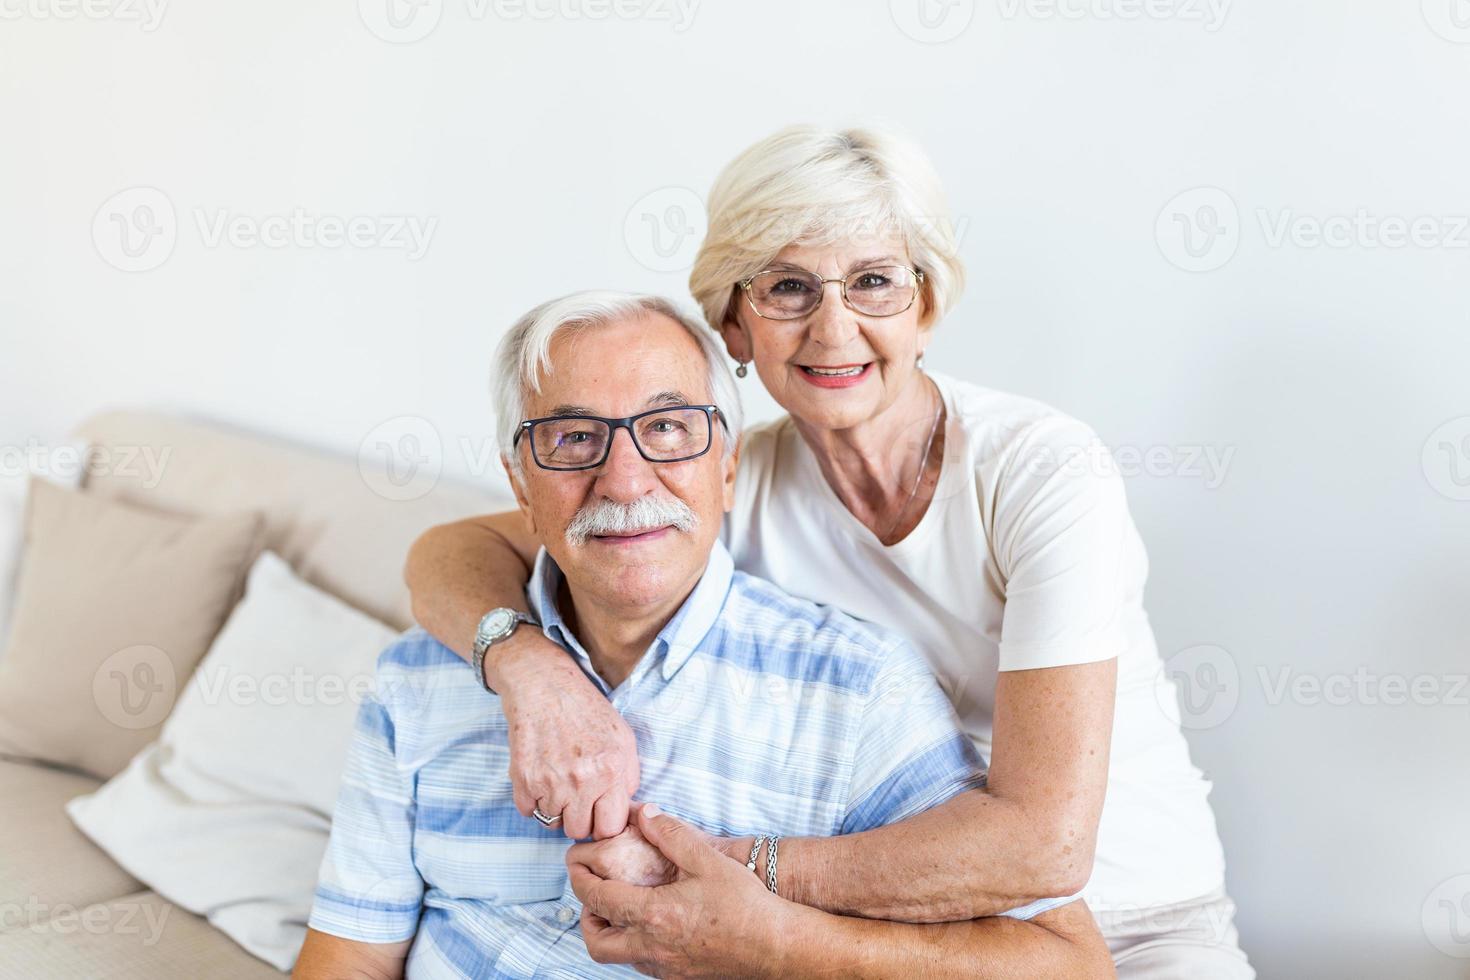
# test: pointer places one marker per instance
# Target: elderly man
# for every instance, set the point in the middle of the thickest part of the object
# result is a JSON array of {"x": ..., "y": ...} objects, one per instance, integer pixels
[{"x": 756, "y": 713}]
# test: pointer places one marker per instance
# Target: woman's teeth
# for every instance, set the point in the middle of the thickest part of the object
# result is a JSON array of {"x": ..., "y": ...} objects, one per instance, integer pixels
[{"x": 835, "y": 372}]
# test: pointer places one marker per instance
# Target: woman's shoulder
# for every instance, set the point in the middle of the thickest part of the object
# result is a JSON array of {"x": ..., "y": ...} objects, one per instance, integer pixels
[
  {"x": 995, "y": 421},
  {"x": 760, "y": 443}
]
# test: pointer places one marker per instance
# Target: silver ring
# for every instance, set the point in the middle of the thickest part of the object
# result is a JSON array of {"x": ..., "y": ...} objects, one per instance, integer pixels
[{"x": 544, "y": 820}]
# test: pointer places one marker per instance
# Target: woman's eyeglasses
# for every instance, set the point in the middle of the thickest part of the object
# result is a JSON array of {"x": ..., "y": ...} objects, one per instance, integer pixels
[{"x": 779, "y": 294}]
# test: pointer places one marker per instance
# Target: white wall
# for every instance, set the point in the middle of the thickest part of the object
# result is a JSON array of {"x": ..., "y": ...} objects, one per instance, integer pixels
[{"x": 1335, "y": 541}]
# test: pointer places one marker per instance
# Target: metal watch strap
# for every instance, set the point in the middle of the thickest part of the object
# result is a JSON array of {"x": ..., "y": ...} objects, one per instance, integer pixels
[{"x": 483, "y": 644}]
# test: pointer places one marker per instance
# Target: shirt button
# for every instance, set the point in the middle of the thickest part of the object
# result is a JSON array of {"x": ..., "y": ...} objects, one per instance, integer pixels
[{"x": 565, "y": 916}]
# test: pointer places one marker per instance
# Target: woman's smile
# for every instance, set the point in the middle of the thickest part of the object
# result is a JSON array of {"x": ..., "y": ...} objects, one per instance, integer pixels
[{"x": 836, "y": 376}]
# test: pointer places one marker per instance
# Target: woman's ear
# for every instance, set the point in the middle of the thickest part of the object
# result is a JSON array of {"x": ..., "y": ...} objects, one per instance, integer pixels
[{"x": 737, "y": 340}]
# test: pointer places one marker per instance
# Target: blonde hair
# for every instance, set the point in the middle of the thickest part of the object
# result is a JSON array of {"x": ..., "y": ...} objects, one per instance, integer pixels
[{"x": 809, "y": 185}]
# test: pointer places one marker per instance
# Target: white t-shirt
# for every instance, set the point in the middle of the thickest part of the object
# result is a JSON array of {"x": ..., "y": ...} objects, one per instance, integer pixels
[{"x": 1027, "y": 557}]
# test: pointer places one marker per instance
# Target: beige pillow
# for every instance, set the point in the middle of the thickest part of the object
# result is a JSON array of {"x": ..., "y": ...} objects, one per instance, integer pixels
[{"x": 115, "y": 606}]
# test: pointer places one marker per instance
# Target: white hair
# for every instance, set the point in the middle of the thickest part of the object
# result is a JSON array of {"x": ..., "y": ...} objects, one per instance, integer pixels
[
  {"x": 807, "y": 185},
  {"x": 524, "y": 355}
]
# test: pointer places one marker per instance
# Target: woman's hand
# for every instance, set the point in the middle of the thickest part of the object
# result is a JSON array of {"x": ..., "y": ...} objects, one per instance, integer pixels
[
  {"x": 570, "y": 751},
  {"x": 714, "y": 918}
]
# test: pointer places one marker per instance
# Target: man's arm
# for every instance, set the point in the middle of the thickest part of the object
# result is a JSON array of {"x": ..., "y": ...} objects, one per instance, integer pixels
[{"x": 328, "y": 957}]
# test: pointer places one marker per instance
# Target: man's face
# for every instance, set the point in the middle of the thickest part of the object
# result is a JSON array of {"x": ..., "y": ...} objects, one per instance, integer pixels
[{"x": 616, "y": 370}]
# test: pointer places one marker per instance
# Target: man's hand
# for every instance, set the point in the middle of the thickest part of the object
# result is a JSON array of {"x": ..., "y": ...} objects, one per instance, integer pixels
[
  {"x": 628, "y": 857},
  {"x": 570, "y": 751},
  {"x": 665, "y": 930}
]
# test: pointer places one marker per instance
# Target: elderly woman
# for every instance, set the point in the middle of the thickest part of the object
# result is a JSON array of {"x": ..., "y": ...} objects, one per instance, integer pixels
[{"x": 988, "y": 528}]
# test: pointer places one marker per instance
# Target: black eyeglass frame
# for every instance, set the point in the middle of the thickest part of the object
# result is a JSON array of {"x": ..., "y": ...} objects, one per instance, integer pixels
[{"x": 613, "y": 425}]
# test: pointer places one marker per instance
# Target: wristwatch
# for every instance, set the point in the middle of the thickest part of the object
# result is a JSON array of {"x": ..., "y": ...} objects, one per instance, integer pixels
[{"x": 495, "y": 626}]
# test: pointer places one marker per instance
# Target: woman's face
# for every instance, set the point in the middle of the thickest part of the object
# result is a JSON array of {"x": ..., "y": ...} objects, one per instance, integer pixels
[{"x": 789, "y": 354}]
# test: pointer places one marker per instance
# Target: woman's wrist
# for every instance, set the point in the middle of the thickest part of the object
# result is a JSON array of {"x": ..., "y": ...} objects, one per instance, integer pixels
[{"x": 523, "y": 656}]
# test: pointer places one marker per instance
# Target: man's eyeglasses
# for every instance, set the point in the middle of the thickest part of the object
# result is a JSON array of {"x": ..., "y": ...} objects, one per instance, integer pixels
[
  {"x": 582, "y": 442},
  {"x": 779, "y": 294}
]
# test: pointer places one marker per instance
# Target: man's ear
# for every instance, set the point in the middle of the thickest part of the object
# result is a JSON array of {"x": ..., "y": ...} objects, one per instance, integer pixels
[
  {"x": 522, "y": 501},
  {"x": 731, "y": 467}
]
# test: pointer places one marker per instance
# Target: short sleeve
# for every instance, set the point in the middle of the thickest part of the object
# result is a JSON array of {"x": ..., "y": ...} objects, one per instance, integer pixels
[
  {"x": 1061, "y": 533},
  {"x": 911, "y": 755},
  {"x": 368, "y": 888}
]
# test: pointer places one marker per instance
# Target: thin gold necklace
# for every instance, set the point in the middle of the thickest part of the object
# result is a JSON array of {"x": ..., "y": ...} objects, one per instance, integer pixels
[{"x": 923, "y": 465}]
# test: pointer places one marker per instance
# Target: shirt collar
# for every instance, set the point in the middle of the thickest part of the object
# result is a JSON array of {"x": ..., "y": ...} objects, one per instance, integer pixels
[{"x": 679, "y": 638}]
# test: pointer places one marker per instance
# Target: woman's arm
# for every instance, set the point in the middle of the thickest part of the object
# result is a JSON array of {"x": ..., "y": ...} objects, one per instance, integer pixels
[
  {"x": 1064, "y": 942},
  {"x": 1029, "y": 834},
  {"x": 571, "y": 752},
  {"x": 712, "y": 917}
]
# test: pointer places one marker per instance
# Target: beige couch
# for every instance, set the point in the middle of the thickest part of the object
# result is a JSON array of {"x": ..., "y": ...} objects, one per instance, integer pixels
[{"x": 66, "y": 909}]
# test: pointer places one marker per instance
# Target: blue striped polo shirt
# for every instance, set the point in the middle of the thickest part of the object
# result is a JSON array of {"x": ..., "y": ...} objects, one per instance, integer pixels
[{"x": 755, "y": 712}]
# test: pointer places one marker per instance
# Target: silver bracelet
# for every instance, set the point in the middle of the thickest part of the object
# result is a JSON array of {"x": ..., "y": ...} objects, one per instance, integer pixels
[
  {"x": 755, "y": 853},
  {"x": 771, "y": 864}
]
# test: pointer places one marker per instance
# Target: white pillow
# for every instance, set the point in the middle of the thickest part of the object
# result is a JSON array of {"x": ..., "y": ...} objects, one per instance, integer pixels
[
  {"x": 63, "y": 466},
  {"x": 228, "y": 813}
]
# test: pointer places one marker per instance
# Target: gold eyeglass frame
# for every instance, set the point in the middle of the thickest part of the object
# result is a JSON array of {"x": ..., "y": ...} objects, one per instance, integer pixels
[{"x": 744, "y": 285}]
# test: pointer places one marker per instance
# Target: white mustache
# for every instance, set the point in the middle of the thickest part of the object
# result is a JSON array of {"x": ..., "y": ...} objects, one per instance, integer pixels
[{"x": 644, "y": 514}]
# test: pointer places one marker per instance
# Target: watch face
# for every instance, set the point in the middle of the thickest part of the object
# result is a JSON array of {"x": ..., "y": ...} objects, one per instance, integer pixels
[{"x": 499, "y": 621}]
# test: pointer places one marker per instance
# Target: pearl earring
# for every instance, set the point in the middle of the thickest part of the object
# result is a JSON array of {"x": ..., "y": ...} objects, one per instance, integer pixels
[
  {"x": 920, "y": 362},
  {"x": 741, "y": 370}
]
